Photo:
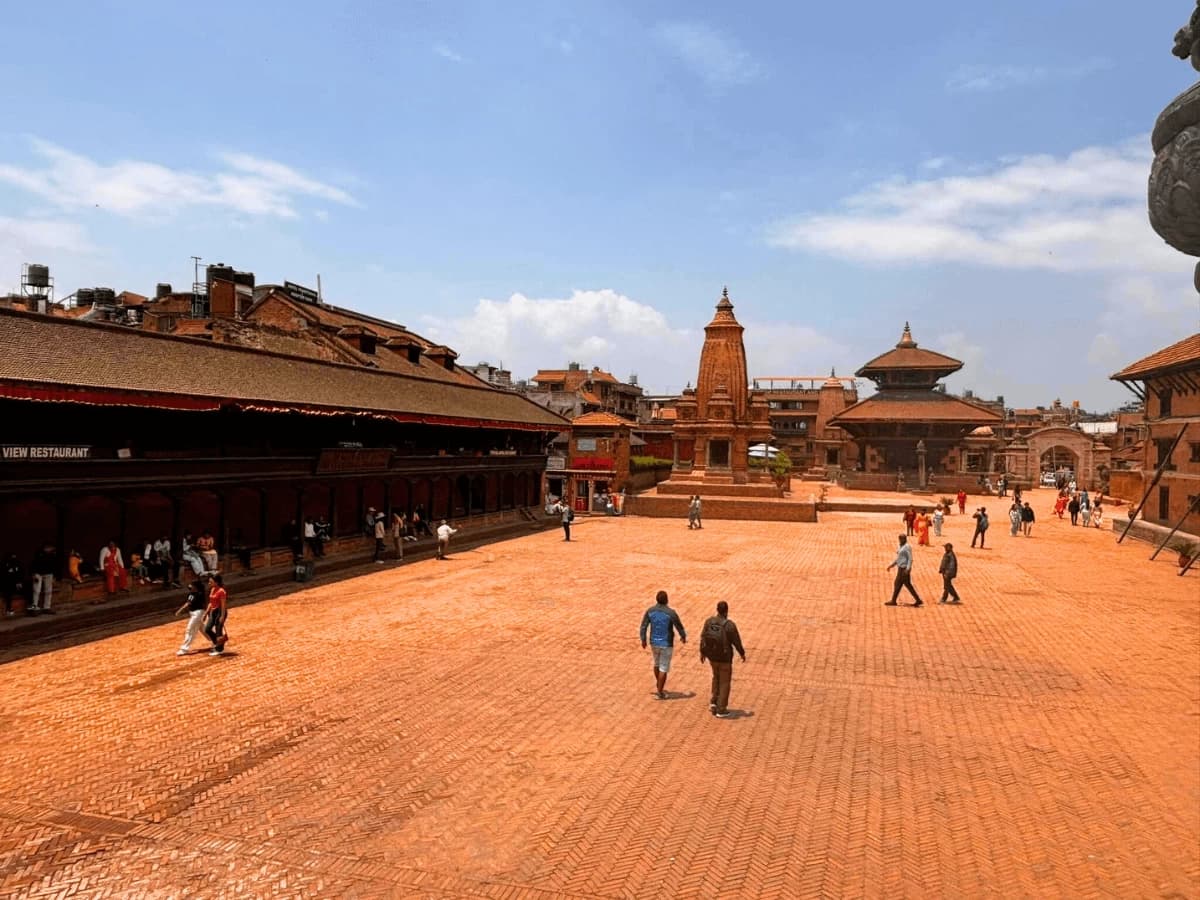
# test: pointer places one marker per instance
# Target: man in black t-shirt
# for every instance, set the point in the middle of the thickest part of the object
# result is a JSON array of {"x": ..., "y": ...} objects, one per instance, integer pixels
[{"x": 195, "y": 604}]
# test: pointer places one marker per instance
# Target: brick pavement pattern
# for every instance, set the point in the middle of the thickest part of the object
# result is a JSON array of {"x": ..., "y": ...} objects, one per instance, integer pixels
[{"x": 486, "y": 726}]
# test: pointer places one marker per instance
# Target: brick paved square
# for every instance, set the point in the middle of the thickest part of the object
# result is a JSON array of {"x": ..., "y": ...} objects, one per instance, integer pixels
[{"x": 486, "y": 726}]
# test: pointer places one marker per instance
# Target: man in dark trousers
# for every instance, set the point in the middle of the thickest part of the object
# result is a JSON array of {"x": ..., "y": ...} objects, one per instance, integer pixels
[
  {"x": 903, "y": 566},
  {"x": 662, "y": 622},
  {"x": 718, "y": 640},
  {"x": 949, "y": 571},
  {"x": 568, "y": 516},
  {"x": 1073, "y": 509},
  {"x": 981, "y": 527}
]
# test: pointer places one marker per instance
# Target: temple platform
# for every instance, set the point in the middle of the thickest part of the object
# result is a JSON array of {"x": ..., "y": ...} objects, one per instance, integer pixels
[
  {"x": 760, "y": 509},
  {"x": 707, "y": 489}
]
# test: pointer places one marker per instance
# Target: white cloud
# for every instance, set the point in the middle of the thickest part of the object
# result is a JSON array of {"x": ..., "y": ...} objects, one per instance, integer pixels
[
  {"x": 980, "y": 78},
  {"x": 624, "y": 336},
  {"x": 717, "y": 59},
  {"x": 1143, "y": 313},
  {"x": 25, "y": 240},
  {"x": 446, "y": 52},
  {"x": 248, "y": 184},
  {"x": 1082, "y": 212}
]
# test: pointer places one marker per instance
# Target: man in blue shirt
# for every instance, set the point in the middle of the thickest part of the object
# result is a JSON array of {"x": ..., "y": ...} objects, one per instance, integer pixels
[
  {"x": 903, "y": 566},
  {"x": 662, "y": 623}
]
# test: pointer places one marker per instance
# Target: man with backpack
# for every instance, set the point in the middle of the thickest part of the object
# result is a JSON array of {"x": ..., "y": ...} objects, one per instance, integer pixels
[
  {"x": 718, "y": 640},
  {"x": 568, "y": 516},
  {"x": 662, "y": 623}
]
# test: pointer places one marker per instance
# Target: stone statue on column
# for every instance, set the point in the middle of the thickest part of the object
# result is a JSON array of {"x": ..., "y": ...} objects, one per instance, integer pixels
[
  {"x": 921, "y": 475},
  {"x": 1174, "y": 192}
]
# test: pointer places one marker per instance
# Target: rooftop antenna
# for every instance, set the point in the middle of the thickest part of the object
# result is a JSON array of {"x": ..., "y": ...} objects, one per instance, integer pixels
[{"x": 318, "y": 288}]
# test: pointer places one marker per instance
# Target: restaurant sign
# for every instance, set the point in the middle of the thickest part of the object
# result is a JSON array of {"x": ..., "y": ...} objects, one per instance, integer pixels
[{"x": 25, "y": 452}]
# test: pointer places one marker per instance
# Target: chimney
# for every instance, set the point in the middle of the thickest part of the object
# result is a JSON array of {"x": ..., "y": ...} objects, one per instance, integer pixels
[
  {"x": 405, "y": 346},
  {"x": 361, "y": 339},
  {"x": 442, "y": 356},
  {"x": 222, "y": 297}
]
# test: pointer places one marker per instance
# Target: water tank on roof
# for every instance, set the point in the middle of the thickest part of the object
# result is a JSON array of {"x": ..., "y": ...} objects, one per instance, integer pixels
[
  {"x": 162, "y": 290},
  {"x": 85, "y": 297},
  {"x": 37, "y": 275},
  {"x": 220, "y": 271},
  {"x": 246, "y": 279},
  {"x": 105, "y": 296}
]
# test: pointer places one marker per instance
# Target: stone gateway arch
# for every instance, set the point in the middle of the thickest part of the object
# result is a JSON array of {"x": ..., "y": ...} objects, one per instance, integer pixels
[{"x": 1089, "y": 459}]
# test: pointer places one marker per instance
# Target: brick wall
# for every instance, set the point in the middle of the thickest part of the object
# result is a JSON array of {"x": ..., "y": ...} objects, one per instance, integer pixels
[{"x": 668, "y": 506}]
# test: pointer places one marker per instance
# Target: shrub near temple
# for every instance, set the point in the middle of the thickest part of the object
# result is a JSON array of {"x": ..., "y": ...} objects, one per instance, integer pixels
[{"x": 648, "y": 463}]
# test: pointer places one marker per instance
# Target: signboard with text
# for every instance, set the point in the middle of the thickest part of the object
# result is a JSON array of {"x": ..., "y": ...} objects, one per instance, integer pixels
[{"x": 43, "y": 452}]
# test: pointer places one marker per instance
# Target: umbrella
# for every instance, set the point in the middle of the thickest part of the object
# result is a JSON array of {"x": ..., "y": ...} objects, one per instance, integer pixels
[{"x": 762, "y": 451}]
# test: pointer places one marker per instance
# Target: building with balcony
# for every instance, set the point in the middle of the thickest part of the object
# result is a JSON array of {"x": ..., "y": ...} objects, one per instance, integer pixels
[{"x": 1168, "y": 384}]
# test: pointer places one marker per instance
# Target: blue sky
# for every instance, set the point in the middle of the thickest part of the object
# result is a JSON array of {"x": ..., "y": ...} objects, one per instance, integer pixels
[{"x": 539, "y": 182}]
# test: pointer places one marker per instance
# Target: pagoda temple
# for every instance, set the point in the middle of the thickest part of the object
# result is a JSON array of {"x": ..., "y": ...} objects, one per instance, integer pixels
[
  {"x": 911, "y": 424},
  {"x": 721, "y": 417}
]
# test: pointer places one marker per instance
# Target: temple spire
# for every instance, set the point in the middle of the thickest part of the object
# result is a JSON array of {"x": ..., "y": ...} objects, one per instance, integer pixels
[
  {"x": 906, "y": 339},
  {"x": 724, "y": 302}
]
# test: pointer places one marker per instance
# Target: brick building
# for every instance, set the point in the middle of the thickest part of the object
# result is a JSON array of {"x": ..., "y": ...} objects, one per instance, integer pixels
[
  {"x": 800, "y": 410},
  {"x": 573, "y": 391},
  {"x": 594, "y": 459},
  {"x": 1168, "y": 383},
  {"x": 128, "y": 434}
]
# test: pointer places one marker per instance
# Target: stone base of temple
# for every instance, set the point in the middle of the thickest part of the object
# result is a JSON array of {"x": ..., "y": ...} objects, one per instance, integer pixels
[
  {"x": 708, "y": 488},
  {"x": 723, "y": 507}
]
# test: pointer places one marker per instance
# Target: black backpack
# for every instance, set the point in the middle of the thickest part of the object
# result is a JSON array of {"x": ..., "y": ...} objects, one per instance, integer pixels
[
  {"x": 570, "y": 515},
  {"x": 714, "y": 641}
]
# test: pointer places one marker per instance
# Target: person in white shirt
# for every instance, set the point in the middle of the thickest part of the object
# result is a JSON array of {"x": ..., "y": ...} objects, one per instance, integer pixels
[
  {"x": 903, "y": 566},
  {"x": 443, "y": 538}
]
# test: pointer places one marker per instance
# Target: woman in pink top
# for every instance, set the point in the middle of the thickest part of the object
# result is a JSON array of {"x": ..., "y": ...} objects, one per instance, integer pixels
[{"x": 218, "y": 608}]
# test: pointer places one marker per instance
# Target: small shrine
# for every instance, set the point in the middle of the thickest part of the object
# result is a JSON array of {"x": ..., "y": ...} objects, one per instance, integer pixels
[{"x": 718, "y": 420}]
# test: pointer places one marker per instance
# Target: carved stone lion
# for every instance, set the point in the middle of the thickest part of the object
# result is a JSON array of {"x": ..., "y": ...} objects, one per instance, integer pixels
[{"x": 1187, "y": 40}]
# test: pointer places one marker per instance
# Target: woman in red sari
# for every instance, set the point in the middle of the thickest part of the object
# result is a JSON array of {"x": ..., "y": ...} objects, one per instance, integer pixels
[{"x": 922, "y": 525}]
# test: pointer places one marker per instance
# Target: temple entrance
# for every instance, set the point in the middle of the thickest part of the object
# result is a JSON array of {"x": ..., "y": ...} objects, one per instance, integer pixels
[
  {"x": 1059, "y": 458},
  {"x": 718, "y": 454}
]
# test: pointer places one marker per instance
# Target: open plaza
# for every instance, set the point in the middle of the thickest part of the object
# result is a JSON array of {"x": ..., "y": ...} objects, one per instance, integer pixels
[{"x": 487, "y": 726}]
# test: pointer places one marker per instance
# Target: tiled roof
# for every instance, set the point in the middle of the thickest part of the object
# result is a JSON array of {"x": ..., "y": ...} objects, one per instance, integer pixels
[
  {"x": 598, "y": 374},
  {"x": 669, "y": 414},
  {"x": 1183, "y": 354},
  {"x": 544, "y": 375},
  {"x": 600, "y": 419},
  {"x": 106, "y": 357},
  {"x": 911, "y": 358},
  {"x": 915, "y": 406},
  {"x": 589, "y": 397}
]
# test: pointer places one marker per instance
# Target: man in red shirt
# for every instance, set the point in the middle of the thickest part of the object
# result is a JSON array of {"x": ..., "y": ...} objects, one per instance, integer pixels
[{"x": 962, "y": 502}]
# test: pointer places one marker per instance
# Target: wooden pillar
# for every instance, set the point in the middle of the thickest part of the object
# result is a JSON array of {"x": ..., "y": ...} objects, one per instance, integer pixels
[{"x": 262, "y": 518}]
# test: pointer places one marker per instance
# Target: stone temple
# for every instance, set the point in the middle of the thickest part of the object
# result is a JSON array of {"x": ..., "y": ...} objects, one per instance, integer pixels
[{"x": 721, "y": 418}]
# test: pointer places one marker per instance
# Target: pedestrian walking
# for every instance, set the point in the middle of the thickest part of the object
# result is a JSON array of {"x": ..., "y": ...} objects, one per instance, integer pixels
[
  {"x": 380, "y": 532},
  {"x": 567, "y": 515},
  {"x": 443, "y": 538},
  {"x": 903, "y": 566},
  {"x": 718, "y": 640},
  {"x": 1027, "y": 518},
  {"x": 939, "y": 516},
  {"x": 12, "y": 581},
  {"x": 661, "y": 622},
  {"x": 195, "y": 604},
  {"x": 1073, "y": 509},
  {"x": 981, "y": 527},
  {"x": 691, "y": 512},
  {"x": 1098, "y": 515},
  {"x": 948, "y": 569},
  {"x": 216, "y": 613},
  {"x": 43, "y": 570},
  {"x": 1014, "y": 518},
  {"x": 910, "y": 520},
  {"x": 398, "y": 528},
  {"x": 961, "y": 497}
]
